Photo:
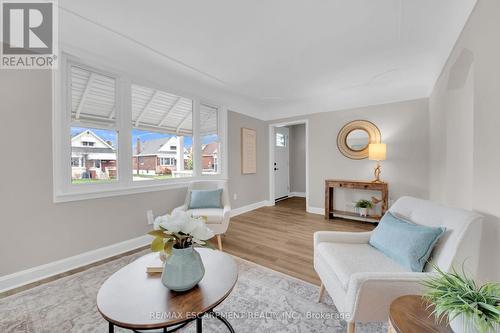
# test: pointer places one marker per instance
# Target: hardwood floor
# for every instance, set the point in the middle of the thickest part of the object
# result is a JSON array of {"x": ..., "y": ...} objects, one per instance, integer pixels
[{"x": 281, "y": 237}]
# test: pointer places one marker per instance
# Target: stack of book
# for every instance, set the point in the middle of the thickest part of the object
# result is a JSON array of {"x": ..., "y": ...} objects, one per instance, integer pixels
[{"x": 155, "y": 266}]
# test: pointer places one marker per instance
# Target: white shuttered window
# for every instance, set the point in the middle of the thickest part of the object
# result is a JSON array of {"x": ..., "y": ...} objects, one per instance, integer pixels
[
  {"x": 210, "y": 139},
  {"x": 162, "y": 134},
  {"x": 93, "y": 127},
  {"x": 115, "y": 136}
]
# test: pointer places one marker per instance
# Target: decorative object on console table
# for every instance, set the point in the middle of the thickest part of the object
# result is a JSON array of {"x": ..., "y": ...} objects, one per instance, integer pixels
[
  {"x": 330, "y": 211},
  {"x": 363, "y": 206},
  {"x": 377, "y": 152},
  {"x": 176, "y": 235},
  {"x": 410, "y": 313}
]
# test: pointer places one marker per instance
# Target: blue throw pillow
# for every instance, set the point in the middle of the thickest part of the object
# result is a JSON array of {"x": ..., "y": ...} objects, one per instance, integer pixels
[
  {"x": 205, "y": 199},
  {"x": 407, "y": 243}
]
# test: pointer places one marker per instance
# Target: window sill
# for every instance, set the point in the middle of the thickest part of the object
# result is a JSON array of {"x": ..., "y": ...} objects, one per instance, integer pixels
[{"x": 90, "y": 191}]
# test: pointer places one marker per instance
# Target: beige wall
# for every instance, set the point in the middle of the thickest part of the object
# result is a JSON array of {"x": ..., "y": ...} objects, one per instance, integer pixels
[
  {"x": 297, "y": 158},
  {"x": 251, "y": 188},
  {"x": 34, "y": 230},
  {"x": 464, "y": 127},
  {"x": 462, "y": 169},
  {"x": 404, "y": 128}
]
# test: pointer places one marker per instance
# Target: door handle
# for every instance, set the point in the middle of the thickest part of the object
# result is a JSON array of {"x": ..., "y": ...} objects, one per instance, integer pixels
[{"x": 276, "y": 169}]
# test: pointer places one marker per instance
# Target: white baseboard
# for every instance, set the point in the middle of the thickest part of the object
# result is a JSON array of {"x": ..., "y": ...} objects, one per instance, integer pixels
[
  {"x": 316, "y": 210},
  {"x": 297, "y": 194},
  {"x": 37, "y": 273},
  {"x": 248, "y": 208}
]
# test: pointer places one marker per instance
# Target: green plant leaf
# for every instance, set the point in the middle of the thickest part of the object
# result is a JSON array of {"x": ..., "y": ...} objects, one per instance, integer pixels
[
  {"x": 364, "y": 204},
  {"x": 455, "y": 294},
  {"x": 167, "y": 248},
  {"x": 158, "y": 233},
  {"x": 157, "y": 244},
  {"x": 491, "y": 308}
]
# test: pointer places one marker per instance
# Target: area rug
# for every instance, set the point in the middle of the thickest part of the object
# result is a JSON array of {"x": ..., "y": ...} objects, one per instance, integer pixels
[{"x": 263, "y": 300}]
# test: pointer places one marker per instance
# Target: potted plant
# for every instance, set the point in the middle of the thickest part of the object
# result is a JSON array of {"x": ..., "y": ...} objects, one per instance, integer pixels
[
  {"x": 469, "y": 308},
  {"x": 175, "y": 236},
  {"x": 363, "y": 206}
]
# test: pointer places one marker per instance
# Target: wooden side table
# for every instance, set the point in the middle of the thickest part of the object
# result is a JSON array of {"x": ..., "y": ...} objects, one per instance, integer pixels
[
  {"x": 331, "y": 184},
  {"x": 409, "y": 314}
]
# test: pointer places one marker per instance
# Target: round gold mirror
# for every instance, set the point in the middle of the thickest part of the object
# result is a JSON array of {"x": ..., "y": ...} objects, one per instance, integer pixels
[
  {"x": 357, "y": 139},
  {"x": 353, "y": 139}
]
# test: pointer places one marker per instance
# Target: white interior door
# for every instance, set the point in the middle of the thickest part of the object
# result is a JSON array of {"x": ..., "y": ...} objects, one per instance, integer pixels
[{"x": 281, "y": 162}]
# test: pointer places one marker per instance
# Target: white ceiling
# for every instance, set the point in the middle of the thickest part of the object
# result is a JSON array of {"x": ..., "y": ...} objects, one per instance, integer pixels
[{"x": 343, "y": 53}]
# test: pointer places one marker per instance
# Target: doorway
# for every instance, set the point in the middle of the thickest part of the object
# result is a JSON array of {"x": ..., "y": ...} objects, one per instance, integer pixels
[
  {"x": 289, "y": 158},
  {"x": 281, "y": 163}
]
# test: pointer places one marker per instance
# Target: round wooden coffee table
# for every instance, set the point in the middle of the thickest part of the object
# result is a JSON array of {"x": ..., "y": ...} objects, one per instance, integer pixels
[
  {"x": 411, "y": 313},
  {"x": 134, "y": 300}
]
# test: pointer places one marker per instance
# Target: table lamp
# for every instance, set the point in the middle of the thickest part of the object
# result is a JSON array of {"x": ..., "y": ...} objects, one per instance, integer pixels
[{"x": 377, "y": 152}]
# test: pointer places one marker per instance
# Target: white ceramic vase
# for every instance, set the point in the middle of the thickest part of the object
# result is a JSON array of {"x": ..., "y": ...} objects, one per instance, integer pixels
[
  {"x": 183, "y": 269},
  {"x": 363, "y": 212},
  {"x": 461, "y": 325}
]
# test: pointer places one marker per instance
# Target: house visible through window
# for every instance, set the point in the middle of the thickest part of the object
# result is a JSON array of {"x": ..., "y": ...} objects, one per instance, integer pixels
[
  {"x": 102, "y": 111},
  {"x": 93, "y": 127},
  {"x": 210, "y": 139},
  {"x": 162, "y": 131},
  {"x": 95, "y": 163}
]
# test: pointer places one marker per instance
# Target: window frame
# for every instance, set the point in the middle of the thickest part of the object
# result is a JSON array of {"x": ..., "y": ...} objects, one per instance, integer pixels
[
  {"x": 79, "y": 159},
  {"x": 284, "y": 137},
  {"x": 221, "y": 130},
  {"x": 64, "y": 190},
  {"x": 171, "y": 163},
  {"x": 149, "y": 85}
]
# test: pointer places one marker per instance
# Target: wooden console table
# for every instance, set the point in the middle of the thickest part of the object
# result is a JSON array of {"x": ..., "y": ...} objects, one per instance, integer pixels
[{"x": 331, "y": 184}]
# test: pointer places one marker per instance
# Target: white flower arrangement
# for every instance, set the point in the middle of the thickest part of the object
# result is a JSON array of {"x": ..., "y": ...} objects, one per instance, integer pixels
[{"x": 179, "y": 230}]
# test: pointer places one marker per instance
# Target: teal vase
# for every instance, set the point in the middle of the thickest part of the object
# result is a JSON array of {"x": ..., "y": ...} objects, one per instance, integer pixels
[{"x": 183, "y": 269}]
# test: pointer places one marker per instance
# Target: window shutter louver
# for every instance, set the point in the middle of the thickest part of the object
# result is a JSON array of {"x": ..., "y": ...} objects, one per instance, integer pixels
[
  {"x": 161, "y": 111},
  {"x": 208, "y": 120},
  {"x": 93, "y": 97}
]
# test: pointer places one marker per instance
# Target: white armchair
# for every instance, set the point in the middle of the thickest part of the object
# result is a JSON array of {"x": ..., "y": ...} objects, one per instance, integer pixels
[
  {"x": 217, "y": 219},
  {"x": 362, "y": 281}
]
